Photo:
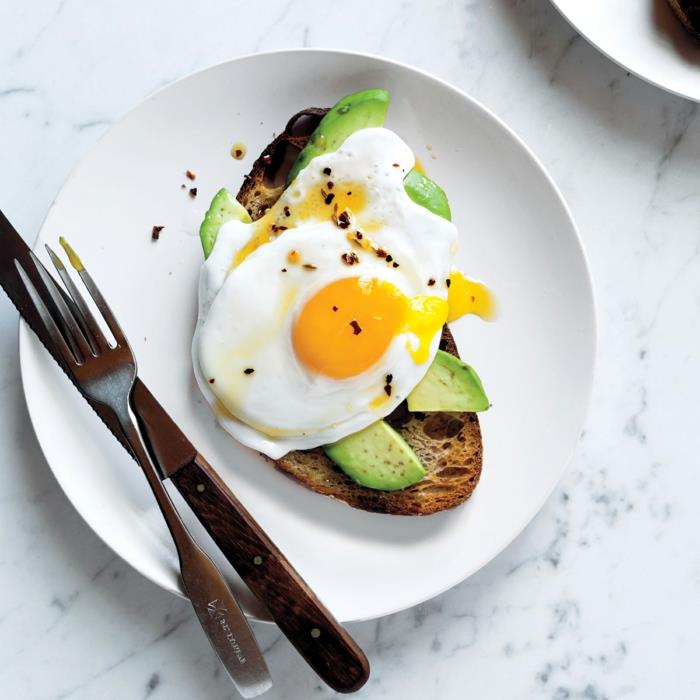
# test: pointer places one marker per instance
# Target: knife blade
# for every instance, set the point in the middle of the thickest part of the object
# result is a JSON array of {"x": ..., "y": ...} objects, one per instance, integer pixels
[{"x": 300, "y": 615}]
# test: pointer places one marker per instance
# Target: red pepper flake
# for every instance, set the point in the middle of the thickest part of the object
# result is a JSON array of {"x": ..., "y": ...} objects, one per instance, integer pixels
[
  {"x": 356, "y": 330},
  {"x": 387, "y": 389},
  {"x": 309, "y": 266},
  {"x": 190, "y": 175},
  {"x": 267, "y": 159},
  {"x": 431, "y": 281},
  {"x": 248, "y": 370},
  {"x": 329, "y": 198},
  {"x": 381, "y": 253},
  {"x": 335, "y": 308},
  {"x": 344, "y": 220},
  {"x": 326, "y": 171},
  {"x": 448, "y": 282},
  {"x": 396, "y": 165},
  {"x": 329, "y": 185},
  {"x": 350, "y": 258},
  {"x": 193, "y": 192},
  {"x": 155, "y": 232},
  {"x": 212, "y": 380}
]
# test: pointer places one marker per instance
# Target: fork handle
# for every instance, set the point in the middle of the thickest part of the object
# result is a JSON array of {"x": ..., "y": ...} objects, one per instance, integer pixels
[
  {"x": 213, "y": 601},
  {"x": 301, "y": 616}
]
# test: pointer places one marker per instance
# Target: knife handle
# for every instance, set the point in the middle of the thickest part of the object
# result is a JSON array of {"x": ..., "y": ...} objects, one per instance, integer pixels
[{"x": 301, "y": 616}]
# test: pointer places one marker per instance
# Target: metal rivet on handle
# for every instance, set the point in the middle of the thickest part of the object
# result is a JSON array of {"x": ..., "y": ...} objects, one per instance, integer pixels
[
  {"x": 315, "y": 632},
  {"x": 200, "y": 488},
  {"x": 257, "y": 560}
]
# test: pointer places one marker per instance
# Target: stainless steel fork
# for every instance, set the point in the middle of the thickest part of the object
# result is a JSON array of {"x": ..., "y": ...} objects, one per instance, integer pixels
[{"x": 105, "y": 372}]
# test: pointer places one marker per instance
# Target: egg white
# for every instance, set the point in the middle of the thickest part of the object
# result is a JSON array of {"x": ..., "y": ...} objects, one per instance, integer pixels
[{"x": 246, "y": 313}]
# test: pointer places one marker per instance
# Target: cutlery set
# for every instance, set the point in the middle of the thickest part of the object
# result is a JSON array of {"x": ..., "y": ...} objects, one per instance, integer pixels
[{"x": 104, "y": 370}]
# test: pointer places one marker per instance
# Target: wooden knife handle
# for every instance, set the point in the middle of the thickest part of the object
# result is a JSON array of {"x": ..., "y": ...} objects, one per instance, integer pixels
[{"x": 301, "y": 616}]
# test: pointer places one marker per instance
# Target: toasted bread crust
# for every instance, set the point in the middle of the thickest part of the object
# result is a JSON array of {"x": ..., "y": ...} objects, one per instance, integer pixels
[
  {"x": 266, "y": 181},
  {"x": 448, "y": 444}
]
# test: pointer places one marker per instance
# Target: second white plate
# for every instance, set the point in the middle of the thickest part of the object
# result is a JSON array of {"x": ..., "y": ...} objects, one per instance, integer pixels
[
  {"x": 516, "y": 233},
  {"x": 644, "y": 37}
]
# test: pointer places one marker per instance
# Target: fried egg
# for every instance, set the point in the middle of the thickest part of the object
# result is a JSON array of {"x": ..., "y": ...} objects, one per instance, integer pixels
[{"x": 322, "y": 316}]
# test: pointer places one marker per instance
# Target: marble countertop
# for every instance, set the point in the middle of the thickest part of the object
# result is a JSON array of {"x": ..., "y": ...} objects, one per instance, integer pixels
[{"x": 599, "y": 598}]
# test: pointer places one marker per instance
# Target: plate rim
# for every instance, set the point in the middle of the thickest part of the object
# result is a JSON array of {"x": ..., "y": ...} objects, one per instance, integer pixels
[
  {"x": 618, "y": 62},
  {"x": 25, "y": 334}
]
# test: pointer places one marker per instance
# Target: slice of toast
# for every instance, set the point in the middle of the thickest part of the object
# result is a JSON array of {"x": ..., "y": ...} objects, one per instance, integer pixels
[
  {"x": 688, "y": 12},
  {"x": 448, "y": 444},
  {"x": 268, "y": 177}
]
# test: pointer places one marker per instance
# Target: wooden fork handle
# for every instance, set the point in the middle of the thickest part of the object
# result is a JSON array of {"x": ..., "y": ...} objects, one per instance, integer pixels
[{"x": 301, "y": 616}]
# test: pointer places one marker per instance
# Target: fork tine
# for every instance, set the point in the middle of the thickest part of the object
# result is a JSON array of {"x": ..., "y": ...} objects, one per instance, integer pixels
[
  {"x": 74, "y": 335},
  {"x": 95, "y": 293},
  {"x": 80, "y": 309},
  {"x": 47, "y": 319}
]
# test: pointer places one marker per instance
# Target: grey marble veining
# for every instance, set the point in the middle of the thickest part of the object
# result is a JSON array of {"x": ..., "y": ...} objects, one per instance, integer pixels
[{"x": 600, "y": 597}]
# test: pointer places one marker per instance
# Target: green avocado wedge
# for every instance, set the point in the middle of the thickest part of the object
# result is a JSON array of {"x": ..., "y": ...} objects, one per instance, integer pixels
[
  {"x": 224, "y": 207},
  {"x": 363, "y": 109},
  {"x": 377, "y": 457},
  {"x": 449, "y": 385},
  {"x": 422, "y": 190}
]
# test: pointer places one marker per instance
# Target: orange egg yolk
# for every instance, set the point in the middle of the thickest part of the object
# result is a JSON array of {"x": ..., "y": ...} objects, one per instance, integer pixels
[
  {"x": 348, "y": 325},
  {"x": 467, "y": 296}
]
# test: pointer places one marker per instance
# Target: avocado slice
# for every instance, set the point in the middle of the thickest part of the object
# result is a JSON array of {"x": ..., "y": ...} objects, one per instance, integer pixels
[
  {"x": 224, "y": 207},
  {"x": 449, "y": 385},
  {"x": 378, "y": 458},
  {"x": 360, "y": 110},
  {"x": 422, "y": 190}
]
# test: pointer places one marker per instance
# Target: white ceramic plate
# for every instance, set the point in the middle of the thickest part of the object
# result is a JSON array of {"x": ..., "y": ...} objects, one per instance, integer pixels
[
  {"x": 643, "y": 36},
  {"x": 536, "y": 361}
]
